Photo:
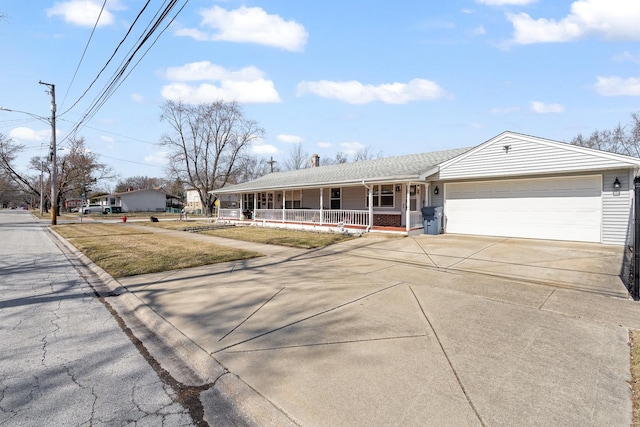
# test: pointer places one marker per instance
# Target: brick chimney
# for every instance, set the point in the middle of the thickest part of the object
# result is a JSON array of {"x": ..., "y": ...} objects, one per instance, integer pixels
[{"x": 315, "y": 161}]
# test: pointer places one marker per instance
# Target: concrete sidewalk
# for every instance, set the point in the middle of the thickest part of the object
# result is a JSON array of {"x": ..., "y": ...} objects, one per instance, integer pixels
[{"x": 424, "y": 330}]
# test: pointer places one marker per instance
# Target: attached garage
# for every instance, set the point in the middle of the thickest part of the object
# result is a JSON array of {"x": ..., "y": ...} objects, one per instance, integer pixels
[
  {"x": 517, "y": 185},
  {"x": 559, "y": 208}
]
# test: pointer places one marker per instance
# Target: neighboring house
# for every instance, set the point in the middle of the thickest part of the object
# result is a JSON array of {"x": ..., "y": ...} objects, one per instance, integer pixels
[
  {"x": 150, "y": 200},
  {"x": 513, "y": 185},
  {"x": 194, "y": 205},
  {"x": 74, "y": 204}
]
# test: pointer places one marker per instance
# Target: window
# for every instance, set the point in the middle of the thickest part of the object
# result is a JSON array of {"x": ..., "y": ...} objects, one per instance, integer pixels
[
  {"x": 383, "y": 196},
  {"x": 247, "y": 201},
  {"x": 293, "y": 199},
  {"x": 335, "y": 198}
]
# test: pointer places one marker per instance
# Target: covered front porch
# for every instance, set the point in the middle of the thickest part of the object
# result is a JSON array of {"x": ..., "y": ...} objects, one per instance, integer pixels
[{"x": 390, "y": 207}]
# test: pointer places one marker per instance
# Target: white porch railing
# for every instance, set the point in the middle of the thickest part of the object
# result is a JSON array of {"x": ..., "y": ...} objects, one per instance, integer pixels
[
  {"x": 229, "y": 213},
  {"x": 416, "y": 220},
  {"x": 318, "y": 217}
]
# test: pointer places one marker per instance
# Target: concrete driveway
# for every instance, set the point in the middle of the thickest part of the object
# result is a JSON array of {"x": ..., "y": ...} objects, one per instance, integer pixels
[{"x": 424, "y": 330}]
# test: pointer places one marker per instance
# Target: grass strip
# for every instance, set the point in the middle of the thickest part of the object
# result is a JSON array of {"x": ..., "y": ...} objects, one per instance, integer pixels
[
  {"x": 122, "y": 251},
  {"x": 272, "y": 236}
]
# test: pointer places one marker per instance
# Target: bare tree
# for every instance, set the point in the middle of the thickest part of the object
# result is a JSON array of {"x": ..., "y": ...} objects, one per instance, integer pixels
[
  {"x": 139, "y": 183},
  {"x": 207, "y": 141},
  {"x": 9, "y": 150},
  {"x": 621, "y": 139},
  {"x": 79, "y": 171},
  {"x": 298, "y": 158},
  {"x": 366, "y": 154},
  {"x": 339, "y": 158},
  {"x": 252, "y": 167}
]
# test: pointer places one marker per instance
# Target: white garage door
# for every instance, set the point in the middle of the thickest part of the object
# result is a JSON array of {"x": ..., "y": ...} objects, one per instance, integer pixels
[{"x": 556, "y": 208}]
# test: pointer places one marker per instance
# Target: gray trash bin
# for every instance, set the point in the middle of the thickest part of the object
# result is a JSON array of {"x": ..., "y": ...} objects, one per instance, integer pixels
[{"x": 432, "y": 217}]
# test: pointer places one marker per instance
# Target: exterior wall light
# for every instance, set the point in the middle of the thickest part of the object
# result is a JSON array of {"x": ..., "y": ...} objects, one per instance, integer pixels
[
  {"x": 397, "y": 188},
  {"x": 616, "y": 184},
  {"x": 436, "y": 190}
]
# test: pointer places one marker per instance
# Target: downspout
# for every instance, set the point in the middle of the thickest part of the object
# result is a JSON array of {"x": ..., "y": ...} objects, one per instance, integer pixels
[{"x": 370, "y": 197}]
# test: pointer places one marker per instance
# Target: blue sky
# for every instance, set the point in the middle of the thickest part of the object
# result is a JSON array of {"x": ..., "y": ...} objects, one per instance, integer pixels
[{"x": 398, "y": 77}]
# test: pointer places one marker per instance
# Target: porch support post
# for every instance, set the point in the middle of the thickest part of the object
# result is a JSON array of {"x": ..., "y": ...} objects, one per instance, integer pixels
[
  {"x": 408, "y": 210},
  {"x": 321, "y": 205},
  {"x": 284, "y": 201},
  {"x": 370, "y": 208},
  {"x": 255, "y": 204}
]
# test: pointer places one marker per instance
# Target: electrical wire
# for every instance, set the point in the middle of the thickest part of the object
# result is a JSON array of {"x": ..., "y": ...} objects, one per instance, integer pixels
[
  {"x": 109, "y": 60},
  {"x": 120, "y": 76},
  {"x": 75, "y": 73}
]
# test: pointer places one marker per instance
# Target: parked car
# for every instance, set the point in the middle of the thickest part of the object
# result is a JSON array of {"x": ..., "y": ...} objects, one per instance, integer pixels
[
  {"x": 112, "y": 210},
  {"x": 91, "y": 208}
]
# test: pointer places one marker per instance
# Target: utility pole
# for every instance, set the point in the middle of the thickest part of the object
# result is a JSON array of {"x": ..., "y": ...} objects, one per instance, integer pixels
[
  {"x": 41, "y": 184},
  {"x": 52, "y": 154},
  {"x": 271, "y": 162}
]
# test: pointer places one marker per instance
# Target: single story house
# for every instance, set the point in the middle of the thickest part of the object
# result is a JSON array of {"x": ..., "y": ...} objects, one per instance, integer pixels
[
  {"x": 513, "y": 185},
  {"x": 194, "y": 204},
  {"x": 149, "y": 200}
]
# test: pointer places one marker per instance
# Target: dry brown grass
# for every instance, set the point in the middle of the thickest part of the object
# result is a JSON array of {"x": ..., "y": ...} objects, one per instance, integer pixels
[
  {"x": 272, "y": 236},
  {"x": 278, "y": 236},
  {"x": 634, "y": 337},
  {"x": 122, "y": 251}
]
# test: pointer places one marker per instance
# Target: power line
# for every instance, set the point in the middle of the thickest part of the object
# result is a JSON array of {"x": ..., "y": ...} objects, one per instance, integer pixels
[
  {"x": 120, "y": 76},
  {"x": 110, "y": 58},
  {"x": 83, "y": 53}
]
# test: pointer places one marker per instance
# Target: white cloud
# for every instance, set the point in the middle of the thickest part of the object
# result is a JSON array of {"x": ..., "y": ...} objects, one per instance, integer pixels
[
  {"x": 505, "y": 2},
  {"x": 260, "y": 148},
  {"x": 542, "y": 108},
  {"x": 290, "y": 139},
  {"x": 324, "y": 144},
  {"x": 249, "y": 25},
  {"x": 28, "y": 134},
  {"x": 627, "y": 57},
  {"x": 351, "y": 148},
  {"x": 610, "y": 19},
  {"x": 618, "y": 86},
  {"x": 137, "y": 98},
  {"x": 159, "y": 157},
  {"x": 84, "y": 12},
  {"x": 247, "y": 85},
  {"x": 107, "y": 139},
  {"x": 479, "y": 31},
  {"x": 355, "y": 92}
]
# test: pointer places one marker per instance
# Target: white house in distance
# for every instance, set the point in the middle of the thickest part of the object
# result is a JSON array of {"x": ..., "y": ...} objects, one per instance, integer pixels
[
  {"x": 150, "y": 200},
  {"x": 512, "y": 185}
]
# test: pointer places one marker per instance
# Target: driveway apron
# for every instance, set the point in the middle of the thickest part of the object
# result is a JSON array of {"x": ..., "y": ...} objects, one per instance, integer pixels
[{"x": 425, "y": 330}]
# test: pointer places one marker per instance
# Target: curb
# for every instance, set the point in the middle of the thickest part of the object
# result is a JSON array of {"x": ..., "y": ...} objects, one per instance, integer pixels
[{"x": 226, "y": 399}]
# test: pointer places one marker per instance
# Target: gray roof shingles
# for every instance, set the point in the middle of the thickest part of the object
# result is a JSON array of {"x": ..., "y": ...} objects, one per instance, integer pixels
[{"x": 407, "y": 167}]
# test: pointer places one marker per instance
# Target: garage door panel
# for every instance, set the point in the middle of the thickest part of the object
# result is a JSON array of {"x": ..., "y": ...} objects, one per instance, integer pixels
[{"x": 567, "y": 208}]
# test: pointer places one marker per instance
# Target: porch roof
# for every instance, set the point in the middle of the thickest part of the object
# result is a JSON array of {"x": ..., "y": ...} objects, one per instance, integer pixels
[{"x": 390, "y": 169}]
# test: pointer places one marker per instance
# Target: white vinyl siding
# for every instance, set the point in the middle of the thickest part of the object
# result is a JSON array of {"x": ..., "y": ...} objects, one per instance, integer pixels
[
  {"x": 617, "y": 208},
  {"x": 558, "y": 208},
  {"x": 533, "y": 155},
  {"x": 352, "y": 198}
]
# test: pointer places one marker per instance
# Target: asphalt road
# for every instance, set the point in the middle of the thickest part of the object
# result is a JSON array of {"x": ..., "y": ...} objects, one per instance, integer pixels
[{"x": 64, "y": 358}]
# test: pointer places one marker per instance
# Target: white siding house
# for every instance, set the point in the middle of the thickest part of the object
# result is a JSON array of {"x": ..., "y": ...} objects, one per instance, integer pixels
[
  {"x": 513, "y": 185},
  {"x": 137, "y": 200}
]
